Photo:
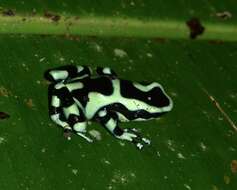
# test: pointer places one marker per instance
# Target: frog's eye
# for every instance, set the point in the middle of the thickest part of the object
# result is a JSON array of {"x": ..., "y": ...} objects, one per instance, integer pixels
[{"x": 158, "y": 98}]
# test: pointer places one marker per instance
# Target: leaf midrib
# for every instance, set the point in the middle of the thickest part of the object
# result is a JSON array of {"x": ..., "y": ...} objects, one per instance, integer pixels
[{"x": 115, "y": 26}]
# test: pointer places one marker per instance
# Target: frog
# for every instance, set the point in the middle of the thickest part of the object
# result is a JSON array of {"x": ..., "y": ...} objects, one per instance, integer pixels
[{"x": 77, "y": 97}]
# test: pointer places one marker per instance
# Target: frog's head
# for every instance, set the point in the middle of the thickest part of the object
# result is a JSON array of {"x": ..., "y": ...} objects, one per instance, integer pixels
[
  {"x": 62, "y": 73},
  {"x": 157, "y": 97},
  {"x": 151, "y": 96}
]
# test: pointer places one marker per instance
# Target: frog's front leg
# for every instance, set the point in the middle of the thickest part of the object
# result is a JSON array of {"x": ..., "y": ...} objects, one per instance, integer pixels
[
  {"x": 77, "y": 121},
  {"x": 63, "y": 104},
  {"x": 56, "y": 111},
  {"x": 110, "y": 121},
  {"x": 79, "y": 126}
]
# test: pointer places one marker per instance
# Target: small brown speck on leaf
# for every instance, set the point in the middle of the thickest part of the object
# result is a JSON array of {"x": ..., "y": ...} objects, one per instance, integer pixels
[
  {"x": 233, "y": 166},
  {"x": 160, "y": 40},
  {"x": 195, "y": 27},
  {"x": 67, "y": 134},
  {"x": 8, "y": 12},
  {"x": 29, "y": 103},
  {"x": 56, "y": 18},
  {"x": 4, "y": 115},
  {"x": 216, "y": 42},
  {"x": 47, "y": 14},
  {"x": 72, "y": 37},
  {"x": 52, "y": 16},
  {"x": 4, "y": 92}
]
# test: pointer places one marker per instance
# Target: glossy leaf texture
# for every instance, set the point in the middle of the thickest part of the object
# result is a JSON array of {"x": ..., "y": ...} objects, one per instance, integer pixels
[{"x": 193, "y": 147}]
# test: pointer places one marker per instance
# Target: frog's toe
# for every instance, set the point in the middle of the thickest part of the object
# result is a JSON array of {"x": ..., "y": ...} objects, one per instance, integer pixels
[
  {"x": 134, "y": 130},
  {"x": 139, "y": 146},
  {"x": 141, "y": 143},
  {"x": 127, "y": 136},
  {"x": 85, "y": 137},
  {"x": 146, "y": 141}
]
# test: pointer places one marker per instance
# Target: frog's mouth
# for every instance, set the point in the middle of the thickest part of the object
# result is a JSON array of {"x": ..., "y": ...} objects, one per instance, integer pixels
[
  {"x": 143, "y": 112},
  {"x": 142, "y": 115}
]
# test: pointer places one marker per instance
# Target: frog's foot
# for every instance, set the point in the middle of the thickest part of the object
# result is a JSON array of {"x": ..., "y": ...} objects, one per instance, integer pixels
[
  {"x": 84, "y": 137},
  {"x": 139, "y": 141},
  {"x": 110, "y": 121}
]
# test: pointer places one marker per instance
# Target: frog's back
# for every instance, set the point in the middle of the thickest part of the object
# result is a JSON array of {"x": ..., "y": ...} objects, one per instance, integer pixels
[
  {"x": 102, "y": 85},
  {"x": 101, "y": 92},
  {"x": 133, "y": 100}
]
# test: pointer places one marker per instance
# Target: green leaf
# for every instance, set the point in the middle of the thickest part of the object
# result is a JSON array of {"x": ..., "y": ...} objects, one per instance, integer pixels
[{"x": 193, "y": 147}]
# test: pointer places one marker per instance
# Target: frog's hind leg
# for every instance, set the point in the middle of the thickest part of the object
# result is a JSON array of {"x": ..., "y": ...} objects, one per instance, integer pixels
[
  {"x": 110, "y": 121},
  {"x": 106, "y": 71}
]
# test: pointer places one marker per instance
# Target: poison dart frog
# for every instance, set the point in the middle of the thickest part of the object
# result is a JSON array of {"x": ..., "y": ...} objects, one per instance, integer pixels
[{"x": 76, "y": 97}]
